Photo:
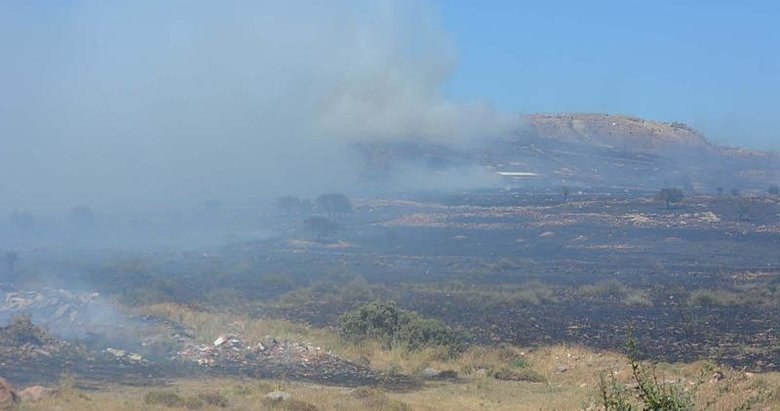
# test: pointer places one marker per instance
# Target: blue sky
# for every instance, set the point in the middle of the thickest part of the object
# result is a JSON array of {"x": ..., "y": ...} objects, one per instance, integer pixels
[{"x": 713, "y": 64}]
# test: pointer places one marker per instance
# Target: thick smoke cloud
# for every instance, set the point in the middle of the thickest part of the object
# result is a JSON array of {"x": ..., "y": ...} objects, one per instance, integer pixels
[{"x": 171, "y": 102}]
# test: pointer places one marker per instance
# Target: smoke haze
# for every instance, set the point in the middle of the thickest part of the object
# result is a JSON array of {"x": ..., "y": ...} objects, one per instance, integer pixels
[{"x": 146, "y": 103}]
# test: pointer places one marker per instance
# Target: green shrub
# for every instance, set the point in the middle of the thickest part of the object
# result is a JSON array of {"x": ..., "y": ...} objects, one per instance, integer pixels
[
  {"x": 515, "y": 374},
  {"x": 520, "y": 363},
  {"x": 716, "y": 297},
  {"x": 384, "y": 322},
  {"x": 373, "y": 321},
  {"x": 652, "y": 394},
  {"x": 613, "y": 395},
  {"x": 419, "y": 332},
  {"x": 165, "y": 398}
]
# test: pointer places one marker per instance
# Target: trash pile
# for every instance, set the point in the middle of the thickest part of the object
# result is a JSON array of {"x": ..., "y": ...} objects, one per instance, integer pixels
[
  {"x": 85, "y": 317},
  {"x": 22, "y": 339},
  {"x": 273, "y": 358},
  {"x": 114, "y": 346},
  {"x": 48, "y": 305}
]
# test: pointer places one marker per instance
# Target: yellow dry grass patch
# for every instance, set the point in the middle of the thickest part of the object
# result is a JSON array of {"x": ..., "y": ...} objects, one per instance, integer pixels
[
  {"x": 207, "y": 326},
  {"x": 249, "y": 395},
  {"x": 571, "y": 373},
  {"x": 570, "y": 390}
]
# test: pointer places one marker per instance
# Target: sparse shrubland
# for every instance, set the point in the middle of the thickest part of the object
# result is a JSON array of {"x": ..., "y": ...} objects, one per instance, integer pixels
[
  {"x": 531, "y": 293},
  {"x": 650, "y": 393},
  {"x": 718, "y": 297},
  {"x": 704, "y": 388},
  {"x": 614, "y": 289}
]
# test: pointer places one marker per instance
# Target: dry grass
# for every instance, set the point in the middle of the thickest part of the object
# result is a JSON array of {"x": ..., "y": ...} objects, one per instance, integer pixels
[
  {"x": 574, "y": 388},
  {"x": 615, "y": 289},
  {"x": 570, "y": 376},
  {"x": 207, "y": 326},
  {"x": 249, "y": 395},
  {"x": 719, "y": 297},
  {"x": 532, "y": 292}
]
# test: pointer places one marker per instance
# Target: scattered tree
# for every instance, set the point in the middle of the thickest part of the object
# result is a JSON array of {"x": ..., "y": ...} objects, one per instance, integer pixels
[
  {"x": 773, "y": 189},
  {"x": 688, "y": 187},
  {"x": 566, "y": 191},
  {"x": 335, "y": 203},
  {"x": 720, "y": 191},
  {"x": 734, "y": 192},
  {"x": 743, "y": 209},
  {"x": 9, "y": 260},
  {"x": 320, "y": 227},
  {"x": 288, "y": 203},
  {"x": 669, "y": 196}
]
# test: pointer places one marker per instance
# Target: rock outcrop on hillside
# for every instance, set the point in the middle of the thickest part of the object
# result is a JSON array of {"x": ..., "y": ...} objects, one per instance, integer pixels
[
  {"x": 588, "y": 149},
  {"x": 617, "y": 131}
]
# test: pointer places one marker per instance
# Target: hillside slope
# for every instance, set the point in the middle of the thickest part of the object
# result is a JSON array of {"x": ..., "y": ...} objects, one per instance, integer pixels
[
  {"x": 591, "y": 149},
  {"x": 616, "y": 131}
]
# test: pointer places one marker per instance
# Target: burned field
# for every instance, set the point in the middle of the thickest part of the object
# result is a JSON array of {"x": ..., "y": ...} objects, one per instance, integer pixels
[
  {"x": 691, "y": 282},
  {"x": 695, "y": 281}
]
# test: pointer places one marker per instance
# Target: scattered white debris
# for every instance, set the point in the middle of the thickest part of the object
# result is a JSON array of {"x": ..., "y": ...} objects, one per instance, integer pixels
[
  {"x": 278, "y": 396},
  {"x": 222, "y": 339}
]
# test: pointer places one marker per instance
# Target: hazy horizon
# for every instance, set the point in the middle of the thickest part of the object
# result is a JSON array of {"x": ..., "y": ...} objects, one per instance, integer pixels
[{"x": 142, "y": 102}]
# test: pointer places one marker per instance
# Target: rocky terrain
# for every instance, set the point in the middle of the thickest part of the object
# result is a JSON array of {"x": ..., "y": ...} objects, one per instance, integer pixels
[
  {"x": 615, "y": 131},
  {"x": 590, "y": 149}
]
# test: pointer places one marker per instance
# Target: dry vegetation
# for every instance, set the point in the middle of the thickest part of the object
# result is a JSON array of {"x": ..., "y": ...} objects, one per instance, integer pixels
[
  {"x": 575, "y": 388},
  {"x": 496, "y": 378}
]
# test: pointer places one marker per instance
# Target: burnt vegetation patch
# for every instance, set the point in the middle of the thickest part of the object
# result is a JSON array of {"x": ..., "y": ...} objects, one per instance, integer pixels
[{"x": 480, "y": 268}]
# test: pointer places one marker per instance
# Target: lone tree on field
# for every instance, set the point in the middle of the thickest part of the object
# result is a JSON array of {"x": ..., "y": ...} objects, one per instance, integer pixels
[
  {"x": 288, "y": 203},
  {"x": 335, "y": 203},
  {"x": 773, "y": 189},
  {"x": 319, "y": 227},
  {"x": 734, "y": 192},
  {"x": 669, "y": 196},
  {"x": 9, "y": 260},
  {"x": 566, "y": 191},
  {"x": 720, "y": 191},
  {"x": 743, "y": 209}
]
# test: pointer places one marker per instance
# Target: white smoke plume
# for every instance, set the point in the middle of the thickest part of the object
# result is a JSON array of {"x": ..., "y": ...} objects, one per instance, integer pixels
[{"x": 168, "y": 102}]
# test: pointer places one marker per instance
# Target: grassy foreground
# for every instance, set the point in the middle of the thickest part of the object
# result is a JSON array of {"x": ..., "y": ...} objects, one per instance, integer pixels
[{"x": 490, "y": 378}]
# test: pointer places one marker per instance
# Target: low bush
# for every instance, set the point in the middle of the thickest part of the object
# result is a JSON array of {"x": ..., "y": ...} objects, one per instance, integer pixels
[
  {"x": 392, "y": 326},
  {"x": 165, "y": 398},
  {"x": 715, "y": 297},
  {"x": 517, "y": 374},
  {"x": 651, "y": 393}
]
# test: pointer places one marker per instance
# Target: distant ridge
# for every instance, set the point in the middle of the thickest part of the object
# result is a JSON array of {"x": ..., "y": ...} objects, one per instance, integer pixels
[
  {"x": 594, "y": 149},
  {"x": 616, "y": 131}
]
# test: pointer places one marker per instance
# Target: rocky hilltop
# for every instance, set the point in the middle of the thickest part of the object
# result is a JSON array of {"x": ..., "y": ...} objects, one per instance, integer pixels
[
  {"x": 616, "y": 131},
  {"x": 590, "y": 149}
]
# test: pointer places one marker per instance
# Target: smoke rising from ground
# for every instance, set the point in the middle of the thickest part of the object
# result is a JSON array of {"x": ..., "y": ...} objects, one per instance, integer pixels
[{"x": 158, "y": 103}]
